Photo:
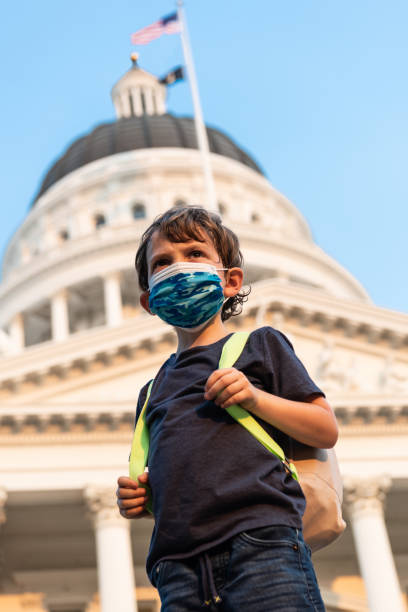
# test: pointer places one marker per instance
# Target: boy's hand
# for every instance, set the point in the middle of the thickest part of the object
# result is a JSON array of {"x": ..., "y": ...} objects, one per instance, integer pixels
[
  {"x": 131, "y": 497},
  {"x": 230, "y": 386}
]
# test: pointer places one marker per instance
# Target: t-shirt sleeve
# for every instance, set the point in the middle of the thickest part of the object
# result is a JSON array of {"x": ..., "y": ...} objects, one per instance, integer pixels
[{"x": 288, "y": 377}]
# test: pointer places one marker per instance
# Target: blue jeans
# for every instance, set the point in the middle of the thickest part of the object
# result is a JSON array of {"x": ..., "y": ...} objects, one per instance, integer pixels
[{"x": 266, "y": 569}]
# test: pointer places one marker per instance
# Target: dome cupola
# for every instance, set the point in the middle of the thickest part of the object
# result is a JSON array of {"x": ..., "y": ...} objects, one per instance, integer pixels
[{"x": 138, "y": 93}]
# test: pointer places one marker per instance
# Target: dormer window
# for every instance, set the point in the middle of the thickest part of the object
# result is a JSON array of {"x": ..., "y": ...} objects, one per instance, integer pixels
[
  {"x": 100, "y": 220},
  {"x": 138, "y": 211}
]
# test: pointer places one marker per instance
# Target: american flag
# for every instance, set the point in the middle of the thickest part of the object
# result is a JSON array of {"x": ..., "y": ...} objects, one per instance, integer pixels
[{"x": 166, "y": 25}]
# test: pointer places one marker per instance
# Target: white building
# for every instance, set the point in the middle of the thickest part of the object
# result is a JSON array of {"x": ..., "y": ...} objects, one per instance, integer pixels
[{"x": 76, "y": 347}]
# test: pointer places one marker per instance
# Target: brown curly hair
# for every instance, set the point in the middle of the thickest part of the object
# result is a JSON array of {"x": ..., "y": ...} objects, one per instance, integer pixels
[{"x": 189, "y": 222}]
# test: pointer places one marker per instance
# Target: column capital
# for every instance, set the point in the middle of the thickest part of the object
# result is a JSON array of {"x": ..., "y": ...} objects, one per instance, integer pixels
[
  {"x": 61, "y": 293},
  {"x": 366, "y": 495},
  {"x": 3, "y": 499},
  {"x": 102, "y": 506},
  {"x": 113, "y": 274}
]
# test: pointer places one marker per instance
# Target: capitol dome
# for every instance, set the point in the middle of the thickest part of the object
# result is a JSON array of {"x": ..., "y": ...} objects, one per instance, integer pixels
[{"x": 76, "y": 246}]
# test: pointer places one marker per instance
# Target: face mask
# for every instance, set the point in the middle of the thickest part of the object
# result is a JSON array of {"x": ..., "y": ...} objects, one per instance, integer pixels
[{"x": 186, "y": 295}]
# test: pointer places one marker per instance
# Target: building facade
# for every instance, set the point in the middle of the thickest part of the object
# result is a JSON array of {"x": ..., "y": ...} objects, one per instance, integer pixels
[{"x": 75, "y": 348}]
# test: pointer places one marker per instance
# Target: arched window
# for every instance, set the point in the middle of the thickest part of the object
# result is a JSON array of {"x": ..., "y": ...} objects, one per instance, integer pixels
[
  {"x": 255, "y": 217},
  {"x": 100, "y": 220},
  {"x": 138, "y": 211}
]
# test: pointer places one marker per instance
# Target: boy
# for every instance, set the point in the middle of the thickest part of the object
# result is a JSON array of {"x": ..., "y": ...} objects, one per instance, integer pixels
[{"x": 228, "y": 516}]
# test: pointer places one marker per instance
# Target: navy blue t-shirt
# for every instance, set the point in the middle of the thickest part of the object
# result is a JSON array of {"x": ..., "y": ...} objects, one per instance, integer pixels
[{"x": 210, "y": 478}]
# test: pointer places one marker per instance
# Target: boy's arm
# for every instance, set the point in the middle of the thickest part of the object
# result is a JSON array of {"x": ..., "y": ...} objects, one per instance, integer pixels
[
  {"x": 311, "y": 422},
  {"x": 131, "y": 497}
]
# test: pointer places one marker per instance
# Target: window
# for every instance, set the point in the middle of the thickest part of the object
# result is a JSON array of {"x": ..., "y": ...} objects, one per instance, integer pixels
[
  {"x": 138, "y": 211},
  {"x": 179, "y": 204},
  {"x": 64, "y": 235},
  {"x": 100, "y": 220},
  {"x": 255, "y": 218}
]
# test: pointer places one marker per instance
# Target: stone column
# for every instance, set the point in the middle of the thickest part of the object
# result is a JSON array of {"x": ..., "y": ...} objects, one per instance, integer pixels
[
  {"x": 125, "y": 104},
  {"x": 113, "y": 550},
  {"x": 17, "y": 333},
  {"x": 59, "y": 316},
  {"x": 364, "y": 500},
  {"x": 113, "y": 299}
]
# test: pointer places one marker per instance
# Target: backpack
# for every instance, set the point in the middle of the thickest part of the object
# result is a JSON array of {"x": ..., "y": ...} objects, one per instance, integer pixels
[{"x": 316, "y": 469}]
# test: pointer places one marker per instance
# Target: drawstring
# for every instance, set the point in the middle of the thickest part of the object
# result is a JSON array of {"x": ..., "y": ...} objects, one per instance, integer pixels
[{"x": 207, "y": 581}]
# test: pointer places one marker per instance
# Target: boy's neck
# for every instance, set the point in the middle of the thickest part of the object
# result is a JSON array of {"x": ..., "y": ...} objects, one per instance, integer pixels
[{"x": 213, "y": 332}]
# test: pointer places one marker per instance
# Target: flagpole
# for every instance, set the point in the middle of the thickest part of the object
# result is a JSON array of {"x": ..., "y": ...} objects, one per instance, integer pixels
[{"x": 201, "y": 131}]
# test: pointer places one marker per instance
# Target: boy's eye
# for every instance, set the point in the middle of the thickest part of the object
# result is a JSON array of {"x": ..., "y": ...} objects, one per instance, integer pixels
[
  {"x": 197, "y": 253},
  {"x": 161, "y": 262}
]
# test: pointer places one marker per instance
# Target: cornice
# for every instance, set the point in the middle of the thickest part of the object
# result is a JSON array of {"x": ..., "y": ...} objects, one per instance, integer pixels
[
  {"x": 379, "y": 413},
  {"x": 389, "y": 430},
  {"x": 70, "y": 422},
  {"x": 315, "y": 307},
  {"x": 81, "y": 350},
  {"x": 361, "y": 325},
  {"x": 357, "y": 415}
]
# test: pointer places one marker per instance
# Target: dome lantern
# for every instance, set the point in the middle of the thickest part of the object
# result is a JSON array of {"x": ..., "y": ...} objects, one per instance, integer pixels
[{"x": 138, "y": 93}]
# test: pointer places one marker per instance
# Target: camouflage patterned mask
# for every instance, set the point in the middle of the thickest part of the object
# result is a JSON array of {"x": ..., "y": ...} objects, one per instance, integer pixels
[{"x": 186, "y": 295}]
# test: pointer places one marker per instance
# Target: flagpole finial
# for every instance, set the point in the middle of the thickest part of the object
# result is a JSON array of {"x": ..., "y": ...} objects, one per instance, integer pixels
[{"x": 134, "y": 57}]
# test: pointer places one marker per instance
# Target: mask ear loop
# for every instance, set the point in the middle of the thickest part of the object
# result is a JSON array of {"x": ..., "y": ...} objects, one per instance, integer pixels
[{"x": 225, "y": 298}]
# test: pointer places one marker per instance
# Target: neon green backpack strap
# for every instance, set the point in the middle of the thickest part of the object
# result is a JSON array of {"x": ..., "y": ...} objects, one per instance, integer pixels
[
  {"x": 230, "y": 353},
  {"x": 140, "y": 446}
]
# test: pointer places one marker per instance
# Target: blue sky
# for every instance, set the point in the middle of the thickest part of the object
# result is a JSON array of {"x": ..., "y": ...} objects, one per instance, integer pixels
[{"x": 316, "y": 91}]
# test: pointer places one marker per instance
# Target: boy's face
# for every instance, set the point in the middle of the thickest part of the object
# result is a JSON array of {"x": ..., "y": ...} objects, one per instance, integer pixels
[{"x": 161, "y": 253}]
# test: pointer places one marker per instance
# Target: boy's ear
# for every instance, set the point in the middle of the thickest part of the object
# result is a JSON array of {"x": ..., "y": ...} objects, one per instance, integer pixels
[
  {"x": 233, "y": 282},
  {"x": 144, "y": 301}
]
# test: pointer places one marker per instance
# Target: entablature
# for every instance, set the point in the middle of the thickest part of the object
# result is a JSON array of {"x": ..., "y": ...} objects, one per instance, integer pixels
[
  {"x": 365, "y": 416},
  {"x": 360, "y": 328}
]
